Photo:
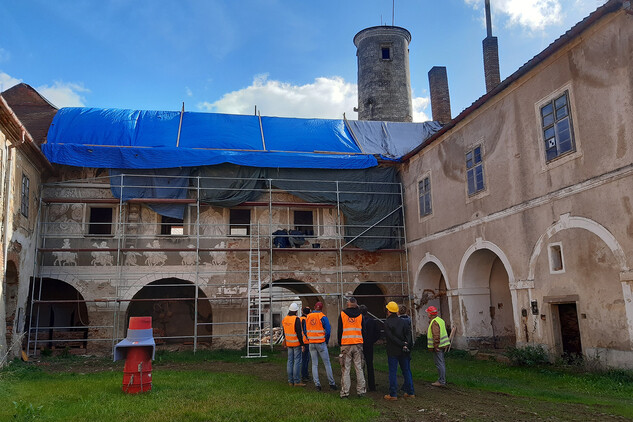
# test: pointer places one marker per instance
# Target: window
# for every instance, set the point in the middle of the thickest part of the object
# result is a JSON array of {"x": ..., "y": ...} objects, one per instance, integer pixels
[
  {"x": 172, "y": 226},
  {"x": 424, "y": 192},
  {"x": 240, "y": 222},
  {"x": 304, "y": 222},
  {"x": 24, "y": 205},
  {"x": 100, "y": 221},
  {"x": 556, "y": 263},
  {"x": 557, "y": 127},
  {"x": 475, "y": 171},
  {"x": 386, "y": 53}
]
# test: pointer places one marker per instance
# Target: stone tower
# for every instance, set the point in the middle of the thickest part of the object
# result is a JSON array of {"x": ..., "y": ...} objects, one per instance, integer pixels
[{"x": 384, "y": 82}]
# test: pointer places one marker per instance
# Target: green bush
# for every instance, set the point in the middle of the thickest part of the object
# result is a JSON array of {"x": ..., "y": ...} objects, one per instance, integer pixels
[{"x": 527, "y": 355}]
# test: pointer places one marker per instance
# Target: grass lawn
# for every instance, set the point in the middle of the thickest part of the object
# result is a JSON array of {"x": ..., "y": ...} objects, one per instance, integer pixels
[{"x": 220, "y": 386}]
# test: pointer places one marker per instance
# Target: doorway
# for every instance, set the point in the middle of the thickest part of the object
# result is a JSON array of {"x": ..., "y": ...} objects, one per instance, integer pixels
[{"x": 569, "y": 331}]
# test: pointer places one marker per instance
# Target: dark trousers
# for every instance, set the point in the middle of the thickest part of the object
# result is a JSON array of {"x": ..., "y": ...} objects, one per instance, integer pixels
[
  {"x": 305, "y": 361},
  {"x": 368, "y": 353}
]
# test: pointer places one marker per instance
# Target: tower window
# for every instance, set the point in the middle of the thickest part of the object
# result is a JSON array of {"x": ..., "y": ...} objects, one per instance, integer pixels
[{"x": 386, "y": 53}]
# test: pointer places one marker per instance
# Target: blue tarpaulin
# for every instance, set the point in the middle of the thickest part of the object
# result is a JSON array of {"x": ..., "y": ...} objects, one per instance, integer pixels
[{"x": 124, "y": 139}]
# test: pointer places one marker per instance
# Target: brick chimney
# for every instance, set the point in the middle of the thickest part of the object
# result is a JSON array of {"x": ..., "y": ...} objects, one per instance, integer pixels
[
  {"x": 491, "y": 54},
  {"x": 440, "y": 99}
]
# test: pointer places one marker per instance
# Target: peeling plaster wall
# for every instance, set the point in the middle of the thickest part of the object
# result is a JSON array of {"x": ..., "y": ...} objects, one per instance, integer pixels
[{"x": 580, "y": 200}]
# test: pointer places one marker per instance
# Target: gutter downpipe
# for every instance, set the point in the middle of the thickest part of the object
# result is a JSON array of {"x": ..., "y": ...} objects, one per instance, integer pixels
[{"x": 7, "y": 161}]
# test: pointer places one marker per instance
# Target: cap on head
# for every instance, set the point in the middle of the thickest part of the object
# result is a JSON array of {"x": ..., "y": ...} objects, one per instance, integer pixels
[
  {"x": 363, "y": 309},
  {"x": 318, "y": 306},
  {"x": 431, "y": 310},
  {"x": 392, "y": 307},
  {"x": 293, "y": 307},
  {"x": 305, "y": 310}
]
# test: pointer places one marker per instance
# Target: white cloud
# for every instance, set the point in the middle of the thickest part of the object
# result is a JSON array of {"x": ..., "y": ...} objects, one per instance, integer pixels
[
  {"x": 188, "y": 91},
  {"x": 7, "y": 81},
  {"x": 326, "y": 98},
  {"x": 64, "y": 94},
  {"x": 419, "y": 105},
  {"x": 534, "y": 15}
]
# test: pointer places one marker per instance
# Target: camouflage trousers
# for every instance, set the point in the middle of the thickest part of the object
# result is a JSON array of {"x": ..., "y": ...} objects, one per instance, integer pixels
[{"x": 352, "y": 354}]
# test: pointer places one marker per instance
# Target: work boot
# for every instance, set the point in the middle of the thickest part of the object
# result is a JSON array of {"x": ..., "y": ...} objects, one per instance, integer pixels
[
  {"x": 388, "y": 397},
  {"x": 437, "y": 384},
  {"x": 291, "y": 384},
  {"x": 299, "y": 384},
  {"x": 409, "y": 396},
  {"x": 333, "y": 387},
  {"x": 318, "y": 387}
]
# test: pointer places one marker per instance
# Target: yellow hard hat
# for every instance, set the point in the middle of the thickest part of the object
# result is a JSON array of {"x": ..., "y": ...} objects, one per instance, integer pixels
[{"x": 392, "y": 307}]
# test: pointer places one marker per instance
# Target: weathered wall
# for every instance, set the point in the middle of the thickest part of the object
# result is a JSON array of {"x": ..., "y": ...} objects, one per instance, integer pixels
[{"x": 579, "y": 200}]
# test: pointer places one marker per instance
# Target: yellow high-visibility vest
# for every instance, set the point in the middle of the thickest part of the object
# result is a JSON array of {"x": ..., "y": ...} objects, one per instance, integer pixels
[
  {"x": 444, "y": 341},
  {"x": 352, "y": 329}
]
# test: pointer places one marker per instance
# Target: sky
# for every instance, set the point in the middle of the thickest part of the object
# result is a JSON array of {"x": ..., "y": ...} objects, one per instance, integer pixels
[{"x": 290, "y": 58}]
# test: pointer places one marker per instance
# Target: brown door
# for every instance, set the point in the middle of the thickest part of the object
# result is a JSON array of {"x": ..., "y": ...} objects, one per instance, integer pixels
[{"x": 570, "y": 330}]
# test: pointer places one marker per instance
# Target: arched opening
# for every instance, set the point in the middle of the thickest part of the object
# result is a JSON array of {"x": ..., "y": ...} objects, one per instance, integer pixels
[
  {"x": 171, "y": 304},
  {"x": 11, "y": 294},
  {"x": 275, "y": 302},
  {"x": 59, "y": 317},
  {"x": 487, "y": 308},
  {"x": 430, "y": 290},
  {"x": 371, "y": 295}
]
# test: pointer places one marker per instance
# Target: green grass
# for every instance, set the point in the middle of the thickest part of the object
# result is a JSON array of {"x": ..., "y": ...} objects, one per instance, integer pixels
[
  {"x": 176, "y": 396},
  {"x": 612, "y": 389}
]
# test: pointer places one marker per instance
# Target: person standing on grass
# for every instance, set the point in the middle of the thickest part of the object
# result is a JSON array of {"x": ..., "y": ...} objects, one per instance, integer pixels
[
  {"x": 350, "y": 337},
  {"x": 371, "y": 334},
  {"x": 402, "y": 314},
  {"x": 294, "y": 341},
  {"x": 318, "y": 333},
  {"x": 305, "y": 355},
  {"x": 437, "y": 341},
  {"x": 399, "y": 339}
]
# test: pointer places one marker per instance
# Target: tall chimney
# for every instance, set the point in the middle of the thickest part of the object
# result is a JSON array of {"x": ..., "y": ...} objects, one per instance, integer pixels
[
  {"x": 491, "y": 54},
  {"x": 440, "y": 98}
]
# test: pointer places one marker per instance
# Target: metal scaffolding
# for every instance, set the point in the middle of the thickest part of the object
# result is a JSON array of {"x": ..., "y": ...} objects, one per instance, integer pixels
[{"x": 89, "y": 279}]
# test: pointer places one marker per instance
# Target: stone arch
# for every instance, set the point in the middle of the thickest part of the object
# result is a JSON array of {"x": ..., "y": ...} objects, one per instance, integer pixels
[
  {"x": 171, "y": 304},
  {"x": 487, "y": 304},
  {"x": 568, "y": 222},
  {"x": 61, "y": 312},
  {"x": 302, "y": 292},
  {"x": 431, "y": 288},
  {"x": 372, "y": 295}
]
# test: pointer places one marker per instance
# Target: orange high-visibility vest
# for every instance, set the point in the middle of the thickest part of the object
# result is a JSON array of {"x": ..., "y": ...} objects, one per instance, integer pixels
[
  {"x": 289, "y": 331},
  {"x": 352, "y": 329},
  {"x": 314, "y": 328},
  {"x": 303, "y": 324}
]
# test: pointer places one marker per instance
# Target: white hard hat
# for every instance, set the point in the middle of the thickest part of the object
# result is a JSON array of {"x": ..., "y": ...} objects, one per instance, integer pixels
[{"x": 293, "y": 307}]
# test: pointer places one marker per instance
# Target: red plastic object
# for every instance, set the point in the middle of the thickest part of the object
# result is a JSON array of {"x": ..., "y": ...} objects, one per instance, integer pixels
[{"x": 137, "y": 373}]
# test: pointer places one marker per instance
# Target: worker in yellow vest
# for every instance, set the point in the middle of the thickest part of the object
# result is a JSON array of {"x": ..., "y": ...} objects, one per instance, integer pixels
[
  {"x": 350, "y": 337},
  {"x": 318, "y": 333},
  {"x": 437, "y": 341},
  {"x": 294, "y": 342}
]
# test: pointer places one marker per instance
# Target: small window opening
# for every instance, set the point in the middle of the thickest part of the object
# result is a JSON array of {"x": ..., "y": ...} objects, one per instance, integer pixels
[
  {"x": 24, "y": 206},
  {"x": 240, "y": 222},
  {"x": 304, "y": 222},
  {"x": 386, "y": 53},
  {"x": 172, "y": 226},
  {"x": 556, "y": 257},
  {"x": 100, "y": 221}
]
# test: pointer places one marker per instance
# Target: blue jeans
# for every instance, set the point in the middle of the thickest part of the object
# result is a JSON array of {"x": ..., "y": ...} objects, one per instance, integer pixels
[
  {"x": 305, "y": 361},
  {"x": 405, "y": 367},
  {"x": 320, "y": 349},
  {"x": 294, "y": 365}
]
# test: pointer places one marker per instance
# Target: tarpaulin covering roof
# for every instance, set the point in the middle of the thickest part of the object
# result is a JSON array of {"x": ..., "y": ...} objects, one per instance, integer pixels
[{"x": 142, "y": 139}]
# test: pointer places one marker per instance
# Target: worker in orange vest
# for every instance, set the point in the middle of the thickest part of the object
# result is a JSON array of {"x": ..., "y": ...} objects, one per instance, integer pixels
[
  {"x": 305, "y": 355},
  {"x": 318, "y": 333},
  {"x": 350, "y": 337},
  {"x": 294, "y": 342}
]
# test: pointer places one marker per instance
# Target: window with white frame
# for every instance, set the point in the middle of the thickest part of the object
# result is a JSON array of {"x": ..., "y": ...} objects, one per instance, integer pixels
[
  {"x": 556, "y": 261},
  {"x": 556, "y": 123},
  {"x": 424, "y": 194},
  {"x": 24, "y": 203},
  {"x": 475, "y": 170}
]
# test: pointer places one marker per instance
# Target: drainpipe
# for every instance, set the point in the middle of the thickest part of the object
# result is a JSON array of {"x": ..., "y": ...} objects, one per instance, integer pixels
[{"x": 7, "y": 183}]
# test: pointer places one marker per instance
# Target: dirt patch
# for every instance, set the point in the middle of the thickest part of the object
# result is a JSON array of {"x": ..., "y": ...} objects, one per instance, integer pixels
[{"x": 435, "y": 404}]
